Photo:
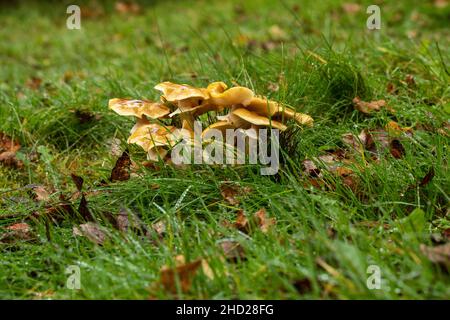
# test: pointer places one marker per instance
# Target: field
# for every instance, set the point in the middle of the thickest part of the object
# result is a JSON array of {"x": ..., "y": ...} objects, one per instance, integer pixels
[{"x": 319, "y": 232}]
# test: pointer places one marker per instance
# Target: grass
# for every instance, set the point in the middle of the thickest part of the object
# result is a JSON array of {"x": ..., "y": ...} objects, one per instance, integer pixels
[{"x": 327, "y": 57}]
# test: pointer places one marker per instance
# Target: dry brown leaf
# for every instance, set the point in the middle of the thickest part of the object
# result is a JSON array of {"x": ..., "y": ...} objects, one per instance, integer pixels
[
  {"x": 184, "y": 272},
  {"x": 241, "y": 223},
  {"x": 231, "y": 191},
  {"x": 121, "y": 170},
  {"x": 262, "y": 221},
  {"x": 159, "y": 227},
  {"x": 127, "y": 7},
  {"x": 396, "y": 148},
  {"x": 17, "y": 231},
  {"x": 232, "y": 250},
  {"x": 438, "y": 254},
  {"x": 351, "y": 8},
  {"x": 92, "y": 231},
  {"x": 34, "y": 83},
  {"x": 369, "y": 107},
  {"x": 303, "y": 286},
  {"x": 8, "y": 150},
  {"x": 40, "y": 193}
]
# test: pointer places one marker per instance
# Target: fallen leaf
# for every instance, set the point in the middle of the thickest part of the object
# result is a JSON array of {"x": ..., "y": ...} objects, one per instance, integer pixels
[
  {"x": 184, "y": 272},
  {"x": 391, "y": 88},
  {"x": 159, "y": 227},
  {"x": 40, "y": 193},
  {"x": 440, "y": 3},
  {"x": 47, "y": 294},
  {"x": 351, "y": 8},
  {"x": 438, "y": 254},
  {"x": 396, "y": 148},
  {"x": 232, "y": 250},
  {"x": 409, "y": 79},
  {"x": 369, "y": 107},
  {"x": 428, "y": 177},
  {"x": 34, "y": 83},
  {"x": 394, "y": 129},
  {"x": 127, "y": 7},
  {"x": 129, "y": 221},
  {"x": 303, "y": 286},
  {"x": 92, "y": 231},
  {"x": 17, "y": 231},
  {"x": 121, "y": 170},
  {"x": 83, "y": 209},
  {"x": 78, "y": 181},
  {"x": 242, "y": 222},
  {"x": 8, "y": 150},
  {"x": 230, "y": 192},
  {"x": 262, "y": 221},
  {"x": 85, "y": 116}
]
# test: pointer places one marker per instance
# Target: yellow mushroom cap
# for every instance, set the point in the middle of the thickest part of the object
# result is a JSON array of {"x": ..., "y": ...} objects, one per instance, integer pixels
[
  {"x": 215, "y": 88},
  {"x": 255, "y": 119},
  {"x": 235, "y": 95},
  {"x": 137, "y": 108},
  {"x": 147, "y": 135},
  {"x": 263, "y": 106},
  {"x": 177, "y": 92},
  {"x": 300, "y": 118},
  {"x": 219, "y": 125}
]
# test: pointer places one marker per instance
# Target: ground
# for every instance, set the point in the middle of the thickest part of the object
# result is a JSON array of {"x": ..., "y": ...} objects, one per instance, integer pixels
[{"x": 332, "y": 231}]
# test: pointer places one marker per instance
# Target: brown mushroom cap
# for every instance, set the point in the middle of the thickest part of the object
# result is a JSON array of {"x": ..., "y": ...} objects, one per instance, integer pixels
[
  {"x": 177, "y": 92},
  {"x": 137, "y": 108},
  {"x": 252, "y": 118}
]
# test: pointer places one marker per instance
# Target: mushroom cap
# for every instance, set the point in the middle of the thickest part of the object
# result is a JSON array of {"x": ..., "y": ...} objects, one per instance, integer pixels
[
  {"x": 148, "y": 135},
  {"x": 173, "y": 92},
  {"x": 219, "y": 125},
  {"x": 269, "y": 108},
  {"x": 156, "y": 153},
  {"x": 137, "y": 108},
  {"x": 215, "y": 88},
  {"x": 264, "y": 106},
  {"x": 300, "y": 118},
  {"x": 232, "y": 96},
  {"x": 255, "y": 119}
]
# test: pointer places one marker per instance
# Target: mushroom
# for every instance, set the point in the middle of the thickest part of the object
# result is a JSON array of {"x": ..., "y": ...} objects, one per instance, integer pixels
[
  {"x": 247, "y": 112},
  {"x": 222, "y": 126},
  {"x": 185, "y": 98},
  {"x": 138, "y": 108},
  {"x": 235, "y": 95},
  {"x": 269, "y": 108},
  {"x": 246, "y": 119},
  {"x": 153, "y": 138}
]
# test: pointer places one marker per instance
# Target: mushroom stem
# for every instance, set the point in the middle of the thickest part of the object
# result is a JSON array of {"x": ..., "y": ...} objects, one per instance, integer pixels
[{"x": 187, "y": 121}]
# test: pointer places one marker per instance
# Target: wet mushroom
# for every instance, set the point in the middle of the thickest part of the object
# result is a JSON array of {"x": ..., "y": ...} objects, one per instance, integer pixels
[
  {"x": 245, "y": 119},
  {"x": 273, "y": 109},
  {"x": 138, "y": 108},
  {"x": 185, "y": 98}
]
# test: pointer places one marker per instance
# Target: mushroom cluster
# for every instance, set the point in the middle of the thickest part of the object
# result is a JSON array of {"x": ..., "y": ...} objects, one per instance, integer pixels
[{"x": 245, "y": 111}]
